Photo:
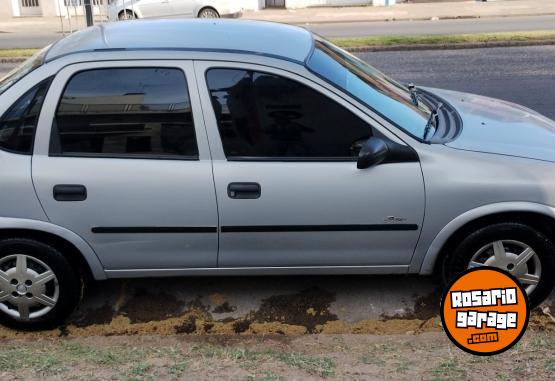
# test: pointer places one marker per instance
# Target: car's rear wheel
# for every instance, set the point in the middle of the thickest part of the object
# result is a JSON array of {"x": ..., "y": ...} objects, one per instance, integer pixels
[
  {"x": 208, "y": 13},
  {"x": 38, "y": 287},
  {"x": 524, "y": 252},
  {"x": 127, "y": 15}
]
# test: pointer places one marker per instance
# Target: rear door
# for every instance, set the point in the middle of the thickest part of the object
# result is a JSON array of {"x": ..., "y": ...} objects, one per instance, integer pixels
[
  {"x": 121, "y": 158},
  {"x": 288, "y": 188},
  {"x": 154, "y": 8},
  {"x": 183, "y": 8}
]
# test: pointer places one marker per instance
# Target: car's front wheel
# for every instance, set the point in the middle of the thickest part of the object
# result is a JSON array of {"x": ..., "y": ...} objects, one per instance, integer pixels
[
  {"x": 524, "y": 252},
  {"x": 38, "y": 287}
]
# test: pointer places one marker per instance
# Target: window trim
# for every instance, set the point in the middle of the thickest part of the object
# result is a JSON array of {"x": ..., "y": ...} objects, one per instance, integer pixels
[
  {"x": 269, "y": 159},
  {"x": 77, "y": 155},
  {"x": 293, "y": 159},
  {"x": 49, "y": 79}
]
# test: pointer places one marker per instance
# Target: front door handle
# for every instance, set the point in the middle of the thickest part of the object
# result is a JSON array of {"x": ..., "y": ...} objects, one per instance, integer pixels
[
  {"x": 70, "y": 192},
  {"x": 244, "y": 190}
]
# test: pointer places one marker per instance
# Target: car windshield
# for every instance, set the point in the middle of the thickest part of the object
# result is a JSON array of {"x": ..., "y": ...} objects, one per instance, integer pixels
[
  {"x": 22, "y": 70},
  {"x": 385, "y": 96}
]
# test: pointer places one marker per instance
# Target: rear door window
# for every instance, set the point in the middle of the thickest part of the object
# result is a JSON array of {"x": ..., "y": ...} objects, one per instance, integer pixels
[{"x": 125, "y": 112}]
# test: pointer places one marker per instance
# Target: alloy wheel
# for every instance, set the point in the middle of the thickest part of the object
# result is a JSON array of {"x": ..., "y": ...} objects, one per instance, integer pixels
[
  {"x": 29, "y": 288},
  {"x": 209, "y": 14},
  {"x": 515, "y": 257}
]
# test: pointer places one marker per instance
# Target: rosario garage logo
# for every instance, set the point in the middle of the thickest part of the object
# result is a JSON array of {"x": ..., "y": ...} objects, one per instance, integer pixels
[{"x": 485, "y": 311}]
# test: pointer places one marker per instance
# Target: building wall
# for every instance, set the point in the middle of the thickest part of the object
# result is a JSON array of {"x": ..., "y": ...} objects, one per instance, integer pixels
[
  {"x": 316, "y": 3},
  {"x": 5, "y": 8}
]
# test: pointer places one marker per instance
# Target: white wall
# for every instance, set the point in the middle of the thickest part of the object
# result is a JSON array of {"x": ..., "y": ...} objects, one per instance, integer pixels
[
  {"x": 259, "y": 4},
  {"x": 312, "y": 3},
  {"x": 252, "y": 5}
]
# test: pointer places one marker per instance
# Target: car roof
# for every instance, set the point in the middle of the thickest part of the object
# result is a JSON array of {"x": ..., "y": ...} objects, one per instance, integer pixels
[{"x": 237, "y": 36}]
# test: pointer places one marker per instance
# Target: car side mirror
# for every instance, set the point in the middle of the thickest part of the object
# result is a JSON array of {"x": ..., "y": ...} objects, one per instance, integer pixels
[{"x": 372, "y": 153}]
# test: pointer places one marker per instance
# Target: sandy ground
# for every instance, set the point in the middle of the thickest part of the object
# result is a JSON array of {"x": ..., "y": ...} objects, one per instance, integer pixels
[{"x": 429, "y": 356}]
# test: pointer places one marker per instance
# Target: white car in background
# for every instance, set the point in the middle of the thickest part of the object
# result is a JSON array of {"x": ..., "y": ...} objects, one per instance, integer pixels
[{"x": 138, "y": 9}]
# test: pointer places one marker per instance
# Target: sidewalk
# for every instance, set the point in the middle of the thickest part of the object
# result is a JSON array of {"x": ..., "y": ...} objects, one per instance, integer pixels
[{"x": 419, "y": 11}]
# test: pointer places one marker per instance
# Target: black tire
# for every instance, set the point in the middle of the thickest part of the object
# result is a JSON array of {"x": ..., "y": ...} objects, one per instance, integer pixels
[
  {"x": 127, "y": 15},
  {"x": 70, "y": 283},
  {"x": 208, "y": 13},
  {"x": 459, "y": 259}
]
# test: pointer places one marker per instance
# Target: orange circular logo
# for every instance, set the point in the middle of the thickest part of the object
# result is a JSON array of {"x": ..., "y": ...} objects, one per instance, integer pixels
[{"x": 485, "y": 311}]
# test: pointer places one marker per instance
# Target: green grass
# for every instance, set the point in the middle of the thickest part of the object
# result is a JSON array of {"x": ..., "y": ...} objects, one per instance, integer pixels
[
  {"x": 448, "y": 369},
  {"x": 268, "y": 376},
  {"x": 60, "y": 358},
  {"x": 40, "y": 360},
  {"x": 549, "y": 365},
  {"x": 378, "y": 41},
  {"x": 321, "y": 366},
  {"x": 17, "y": 53},
  {"x": 140, "y": 371}
]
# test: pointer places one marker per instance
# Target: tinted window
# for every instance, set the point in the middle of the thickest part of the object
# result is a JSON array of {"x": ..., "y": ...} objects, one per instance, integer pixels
[
  {"x": 125, "y": 112},
  {"x": 18, "y": 124},
  {"x": 264, "y": 115}
]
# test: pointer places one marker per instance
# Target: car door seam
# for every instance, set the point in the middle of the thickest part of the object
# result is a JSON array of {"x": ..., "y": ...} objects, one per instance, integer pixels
[{"x": 204, "y": 122}]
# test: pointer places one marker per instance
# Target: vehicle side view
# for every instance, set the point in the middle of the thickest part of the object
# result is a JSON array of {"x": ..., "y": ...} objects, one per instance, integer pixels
[
  {"x": 138, "y": 9},
  {"x": 267, "y": 152}
]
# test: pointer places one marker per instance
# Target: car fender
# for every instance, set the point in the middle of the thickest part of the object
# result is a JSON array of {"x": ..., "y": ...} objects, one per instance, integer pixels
[
  {"x": 441, "y": 238},
  {"x": 88, "y": 253}
]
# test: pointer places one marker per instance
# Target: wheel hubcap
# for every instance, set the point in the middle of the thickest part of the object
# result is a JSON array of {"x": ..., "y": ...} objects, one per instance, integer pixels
[
  {"x": 208, "y": 14},
  {"x": 28, "y": 287},
  {"x": 515, "y": 257}
]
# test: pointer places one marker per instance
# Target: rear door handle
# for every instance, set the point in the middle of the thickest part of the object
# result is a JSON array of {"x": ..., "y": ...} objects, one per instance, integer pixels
[
  {"x": 70, "y": 192},
  {"x": 244, "y": 190}
]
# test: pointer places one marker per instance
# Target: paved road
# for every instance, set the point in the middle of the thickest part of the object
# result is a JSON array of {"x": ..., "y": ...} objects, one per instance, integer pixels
[
  {"x": 27, "y": 40},
  {"x": 525, "y": 75},
  {"x": 381, "y": 28}
]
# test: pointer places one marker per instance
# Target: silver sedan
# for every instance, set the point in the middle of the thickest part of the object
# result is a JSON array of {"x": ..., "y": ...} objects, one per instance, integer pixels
[{"x": 186, "y": 148}]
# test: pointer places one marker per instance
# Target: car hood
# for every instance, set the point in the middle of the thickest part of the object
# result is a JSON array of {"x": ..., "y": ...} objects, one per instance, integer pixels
[{"x": 500, "y": 127}]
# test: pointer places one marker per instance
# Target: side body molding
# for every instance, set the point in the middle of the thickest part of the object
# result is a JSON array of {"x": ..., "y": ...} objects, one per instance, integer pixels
[
  {"x": 88, "y": 254},
  {"x": 504, "y": 207}
]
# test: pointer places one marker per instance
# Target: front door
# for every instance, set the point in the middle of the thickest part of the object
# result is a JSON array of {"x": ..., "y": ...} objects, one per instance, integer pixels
[
  {"x": 288, "y": 188},
  {"x": 121, "y": 158},
  {"x": 183, "y": 8}
]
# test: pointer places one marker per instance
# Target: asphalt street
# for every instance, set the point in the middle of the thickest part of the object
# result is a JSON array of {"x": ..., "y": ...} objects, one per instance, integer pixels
[
  {"x": 37, "y": 39},
  {"x": 523, "y": 75},
  {"x": 27, "y": 40}
]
